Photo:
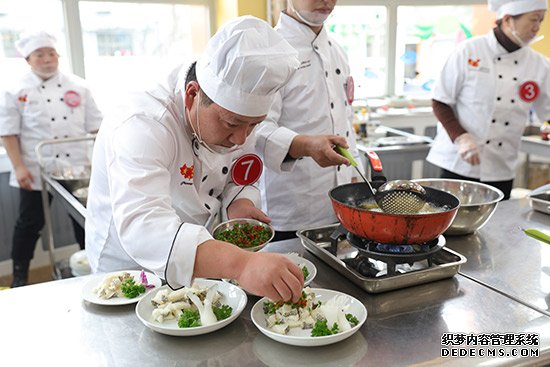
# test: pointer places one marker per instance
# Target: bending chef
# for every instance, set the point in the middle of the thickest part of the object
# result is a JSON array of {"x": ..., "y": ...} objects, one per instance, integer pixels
[{"x": 163, "y": 172}]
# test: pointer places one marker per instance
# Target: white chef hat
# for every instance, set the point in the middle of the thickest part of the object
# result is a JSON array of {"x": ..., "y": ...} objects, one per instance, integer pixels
[
  {"x": 244, "y": 65},
  {"x": 30, "y": 41},
  {"x": 516, "y": 7}
]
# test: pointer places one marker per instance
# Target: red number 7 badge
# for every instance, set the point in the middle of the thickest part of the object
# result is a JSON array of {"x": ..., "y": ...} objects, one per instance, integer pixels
[{"x": 247, "y": 169}]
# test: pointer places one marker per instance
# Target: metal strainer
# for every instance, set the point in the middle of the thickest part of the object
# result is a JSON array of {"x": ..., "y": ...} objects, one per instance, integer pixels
[{"x": 400, "y": 197}]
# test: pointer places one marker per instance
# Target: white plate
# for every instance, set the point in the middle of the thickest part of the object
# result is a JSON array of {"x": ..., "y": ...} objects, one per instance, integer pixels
[
  {"x": 302, "y": 337},
  {"x": 89, "y": 295},
  {"x": 231, "y": 295},
  {"x": 297, "y": 259}
]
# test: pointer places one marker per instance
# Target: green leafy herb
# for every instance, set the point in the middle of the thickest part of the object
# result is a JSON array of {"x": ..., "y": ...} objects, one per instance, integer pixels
[
  {"x": 270, "y": 308},
  {"x": 321, "y": 329},
  {"x": 189, "y": 318},
  {"x": 130, "y": 289},
  {"x": 305, "y": 271},
  {"x": 245, "y": 235},
  {"x": 352, "y": 319},
  {"x": 222, "y": 312}
]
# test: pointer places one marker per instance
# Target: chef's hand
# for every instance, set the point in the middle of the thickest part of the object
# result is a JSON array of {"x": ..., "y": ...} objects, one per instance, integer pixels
[
  {"x": 24, "y": 177},
  {"x": 273, "y": 276},
  {"x": 467, "y": 148},
  {"x": 244, "y": 208},
  {"x": 320, "y": 148}
]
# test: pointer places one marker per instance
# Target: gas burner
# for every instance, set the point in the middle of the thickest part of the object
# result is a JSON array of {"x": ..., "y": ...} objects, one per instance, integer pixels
[{"x": 391, "y": 254}]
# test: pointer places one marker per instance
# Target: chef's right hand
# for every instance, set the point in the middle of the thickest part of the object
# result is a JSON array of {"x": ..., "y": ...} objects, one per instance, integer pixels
[
  {"x": 320, "y": 148},
  {"x": 272, "y": 275},
  {"x": 467, "y": 148},
  {"x": 24, "y": 178}
]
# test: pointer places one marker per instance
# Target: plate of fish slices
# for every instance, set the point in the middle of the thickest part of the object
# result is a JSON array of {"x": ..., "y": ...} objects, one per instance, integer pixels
[
  {"x": 320, "y": 317},
  {"x": 120, "y": 287},
  {"x": 206, "y": 306}
]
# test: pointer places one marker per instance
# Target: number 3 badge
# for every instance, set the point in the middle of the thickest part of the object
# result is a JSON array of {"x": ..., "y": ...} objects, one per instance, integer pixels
[
  {"x": 529, "y": 91},
  {"x": 247, "y": 169}
]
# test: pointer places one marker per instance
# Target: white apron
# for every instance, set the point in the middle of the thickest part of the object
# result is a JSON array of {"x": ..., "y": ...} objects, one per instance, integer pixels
[{"x": 491, "y": 92}]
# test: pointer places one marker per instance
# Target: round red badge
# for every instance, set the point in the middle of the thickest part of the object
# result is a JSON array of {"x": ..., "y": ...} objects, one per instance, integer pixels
[
  {"x": 247, "y": 169},
  {"x": 529, "y": 91},
  {"x": 72, "y": 98},
  {"x": 350, "y": 89}
]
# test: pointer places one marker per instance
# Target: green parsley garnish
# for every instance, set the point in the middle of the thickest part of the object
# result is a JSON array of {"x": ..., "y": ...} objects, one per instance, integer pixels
[
  {"x": 189, "y": 318},
  {"x": 222, "y": 312},
  {"x": 321, "y": 329},
  {"x": 352, "y": 319},
  {"x": 305, "y": 271},
  {"x": 130, "y": 289}
]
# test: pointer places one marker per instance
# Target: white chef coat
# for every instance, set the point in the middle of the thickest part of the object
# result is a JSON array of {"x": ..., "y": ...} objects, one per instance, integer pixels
[
  {"x": 37, "y": 109},
  {"x": 295, "y": 193},
  {"x": 491, "y": 91},
  {"x": 153, "y": 188}
]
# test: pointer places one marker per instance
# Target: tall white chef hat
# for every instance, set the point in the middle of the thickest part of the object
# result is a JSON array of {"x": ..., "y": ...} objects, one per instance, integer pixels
[
  {"x": 516, "y": 7},
  {"x": 244, "y": 65},
  {"x": 30, "y": 41}
]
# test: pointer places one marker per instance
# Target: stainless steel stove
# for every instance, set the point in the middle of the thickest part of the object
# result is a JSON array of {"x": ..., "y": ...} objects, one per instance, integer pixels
[{"x": 380, "y": 267}]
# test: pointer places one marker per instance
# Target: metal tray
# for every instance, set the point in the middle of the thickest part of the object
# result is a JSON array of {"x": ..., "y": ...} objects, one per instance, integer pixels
[
  {"x": 540, "y": 202},
  {"x": 446, "y": 263}
]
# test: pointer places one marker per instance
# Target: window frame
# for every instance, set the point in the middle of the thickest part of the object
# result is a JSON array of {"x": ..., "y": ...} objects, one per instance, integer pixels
[
  {"x": 73, "y": 27},
  {"x": 391, "y": 27}
]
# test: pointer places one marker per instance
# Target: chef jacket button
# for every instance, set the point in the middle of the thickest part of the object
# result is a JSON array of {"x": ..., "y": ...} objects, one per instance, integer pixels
[
  {"x": 493, "y": 121},
  {"x": 61, "y": 99},
  {"x": 53, "y": 118},
  {"x": 515, "y": 79},
  {"x": 500, "y": 144},
  {"x": 204, "y": 178},
  {"x": 67, "y": 155},
  {"x": 512, "y": 100},
  {"x": 516, "y": 62},
  {"x": 55, "y": 137},
  {"x": 498, "y": 58},
  {"x": 43, "y": 87},
  {"x": 487, "y": 142},
  {"x": 500, "y": 76},
  {"x": 338, "y": 168},
  {"x": 507, "y": 123},
  {"x": 64, "y": 117},
  {"x": 498, "y": 98},
  {"x": 347, "y": 134},
  {"x": 49, "y": 100},
  {"x": 57, "y": 156},
  {"x": 331, "y": 105},
  {"x": 225, "y": 170},
  {"x": 196, "y": 144},
  {"x": 329, "y": 43},
  {"x": 207, "y": 206},
  {"x": 211, "y": 192},
  {"x": 65, "y": 136},
  {"x": 316, "y": 47},
  {"x": 338, "y": 71},
  {"x": 326, "y": 74},
  {"x": 345, "y": 103},
  {"x": 59, "y": 85}
]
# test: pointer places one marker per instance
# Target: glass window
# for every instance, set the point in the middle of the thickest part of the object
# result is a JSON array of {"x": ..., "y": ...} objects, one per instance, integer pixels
[
  {"x": 361, "y": 31},
  {"x": 129, "y": 46},
  {"x": 16, "y": 18},
  {"x": 426, "y": 35}
]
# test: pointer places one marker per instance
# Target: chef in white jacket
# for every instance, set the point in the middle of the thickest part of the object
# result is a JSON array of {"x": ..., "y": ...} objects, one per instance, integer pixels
[
  {"x": 311, "y": 114},
  {"x": 483, "y": 97},
  {"x": 43, "y": 104},
  {"x": 165, "y": 171}
]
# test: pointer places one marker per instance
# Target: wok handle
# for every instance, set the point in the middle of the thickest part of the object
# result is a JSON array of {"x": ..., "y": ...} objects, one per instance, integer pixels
[{"x": 376, "y": 174}]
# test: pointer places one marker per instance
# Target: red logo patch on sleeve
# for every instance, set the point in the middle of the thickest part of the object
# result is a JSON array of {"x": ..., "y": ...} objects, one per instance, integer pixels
[
  {"x": 187, "y": 172},
  {"x": 22, "y": 99},
  {"x": 474, "y": 63}
]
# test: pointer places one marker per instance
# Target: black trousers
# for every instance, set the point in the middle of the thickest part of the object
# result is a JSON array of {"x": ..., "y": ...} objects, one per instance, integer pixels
[
  {"x": 284, "y": 235},
  {"x": 29, "y": 225},
  {"x": 504, "y": 186}
]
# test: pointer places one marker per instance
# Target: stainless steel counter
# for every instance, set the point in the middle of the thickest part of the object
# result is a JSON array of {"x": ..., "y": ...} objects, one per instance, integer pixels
[
  {"x": 49, "y": 324},
  {"x": 533, "y": 144},
  {"x": 501, "y": 256}
]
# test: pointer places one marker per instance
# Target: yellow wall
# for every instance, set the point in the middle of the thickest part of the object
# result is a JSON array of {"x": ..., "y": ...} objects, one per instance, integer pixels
[
  {"x": 544, "y": 46},
  {"x": 229, "y": 9}
]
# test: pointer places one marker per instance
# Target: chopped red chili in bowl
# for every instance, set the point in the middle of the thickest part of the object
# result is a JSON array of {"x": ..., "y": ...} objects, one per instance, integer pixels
[{"x": 245, "y": 235}]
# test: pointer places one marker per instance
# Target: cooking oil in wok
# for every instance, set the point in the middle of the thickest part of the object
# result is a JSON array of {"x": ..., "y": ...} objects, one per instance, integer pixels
[{"x": 428, "y": 208}]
